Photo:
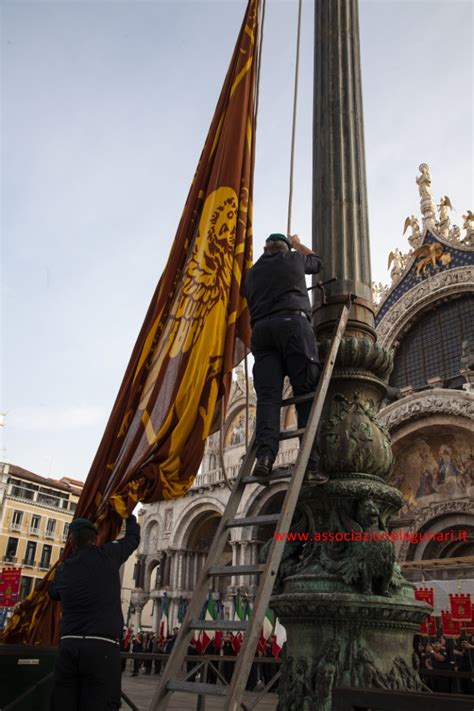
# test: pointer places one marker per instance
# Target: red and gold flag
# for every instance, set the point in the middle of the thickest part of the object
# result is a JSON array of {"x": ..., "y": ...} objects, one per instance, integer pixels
[
  {"x": 451, "y": 628},
  {"x": 195, "y": 331},
  {"x": 425, "y": 594},
  {"x": 461, "y": 609}
]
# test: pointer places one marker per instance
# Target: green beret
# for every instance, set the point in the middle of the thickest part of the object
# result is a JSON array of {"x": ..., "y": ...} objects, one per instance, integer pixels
[
  {"x": 79, "y": 523},
  {"x": 277, "y": 237}
]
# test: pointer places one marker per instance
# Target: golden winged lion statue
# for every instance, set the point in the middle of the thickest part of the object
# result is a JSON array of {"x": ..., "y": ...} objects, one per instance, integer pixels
[{"x": 430, "y": 254}]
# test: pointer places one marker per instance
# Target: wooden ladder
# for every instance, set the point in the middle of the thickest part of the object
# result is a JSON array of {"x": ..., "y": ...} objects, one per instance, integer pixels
[{"x": 232, "y": 694}]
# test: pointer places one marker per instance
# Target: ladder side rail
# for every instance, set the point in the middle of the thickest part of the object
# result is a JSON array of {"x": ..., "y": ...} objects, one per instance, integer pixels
[
  {"x": 268, "y": 577},
  {"x": 180, "y": 647}
]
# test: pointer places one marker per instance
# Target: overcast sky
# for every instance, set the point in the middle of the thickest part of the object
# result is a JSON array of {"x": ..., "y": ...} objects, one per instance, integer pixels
[{"x": 105, "y": 108}]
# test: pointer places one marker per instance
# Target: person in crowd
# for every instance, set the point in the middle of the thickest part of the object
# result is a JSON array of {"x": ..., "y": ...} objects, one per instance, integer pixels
[
  {"x": 157, "y": 649},
  {"x": 227, "y": 650},
  {"x": 125, "y": 642},
  {"x": 137, "y": 648},
  {"x": 440, "y": 660},
  {"x": 148, "y": 648}
]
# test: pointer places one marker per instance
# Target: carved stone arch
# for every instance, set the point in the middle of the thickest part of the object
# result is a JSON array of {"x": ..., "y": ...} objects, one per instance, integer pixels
[
  {"x": 448, "y": 284},
  {"x": 453, "y": 408},
  {"x": 190, "y": 515},
  {"x": 151, "y": 564},
  {"x": 267, "y": 501},
  {"x": 434, "y": 516},
  {"x": 150, "y": 536}
]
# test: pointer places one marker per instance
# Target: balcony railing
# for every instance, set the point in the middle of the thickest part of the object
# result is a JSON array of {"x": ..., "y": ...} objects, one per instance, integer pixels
[
  {"x": 29, "y": 562},
  {"x": 9, "y": 559},
  {"x": 43, "y": 565},
  {"x": 64, "y": 537},
  {"x": 34, "y": 531},
  {"x": 15, "y": 527},
  {"x": 49, "y": 534}
]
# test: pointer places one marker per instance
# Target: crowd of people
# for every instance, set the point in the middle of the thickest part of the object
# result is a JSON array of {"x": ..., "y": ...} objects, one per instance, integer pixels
[
  {"x": 226, "y": 645},
  {"x": 446, "y": 655}
]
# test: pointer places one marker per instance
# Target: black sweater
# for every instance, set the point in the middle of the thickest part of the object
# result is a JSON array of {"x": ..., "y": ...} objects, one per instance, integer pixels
[{"x": 88, "y": 586}]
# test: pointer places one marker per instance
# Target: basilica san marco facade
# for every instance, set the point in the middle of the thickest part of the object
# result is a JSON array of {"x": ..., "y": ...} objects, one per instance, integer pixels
[{"x": 426, "y": 318}]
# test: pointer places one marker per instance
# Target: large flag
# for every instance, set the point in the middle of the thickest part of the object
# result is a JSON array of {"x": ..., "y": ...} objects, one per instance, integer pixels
[{"x": 196, "y": 329}]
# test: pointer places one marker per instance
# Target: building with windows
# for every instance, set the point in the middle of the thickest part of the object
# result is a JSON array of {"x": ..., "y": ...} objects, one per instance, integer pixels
[
  {"x": 35, "y": 513},
  {"x": 426, "y": 318}
]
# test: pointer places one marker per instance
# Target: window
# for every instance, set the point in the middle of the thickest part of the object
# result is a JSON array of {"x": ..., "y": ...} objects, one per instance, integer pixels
[
  {"x": 22, "y": 489},
  {"x": 432, "y": 346},
  {"x": 30, "y": 553},
  {"x": 65, "y": 531},
  {"x": 25, "y": 587},
  {"x": 50, "y": 528},
  {"x": 45, "y": 556},
  {"x": 16, "y": 521},
  {"x": 35, "y": 525},
  {"x": 10, "y": 553}
]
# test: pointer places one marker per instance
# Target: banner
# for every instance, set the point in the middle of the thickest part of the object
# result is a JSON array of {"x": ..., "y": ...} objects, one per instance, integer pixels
[
  {"x": 451, "y": 628},
  {"x": 426, "y": 595},
  {"x": 197, "y": 328},
  {"x": 461, "y": 608},
  {"x": 9, "y": 586}
]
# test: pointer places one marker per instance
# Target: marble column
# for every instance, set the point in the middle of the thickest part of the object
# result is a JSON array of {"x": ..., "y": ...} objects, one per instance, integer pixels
[
  {"x": 138, "y": 618},
  {"x": 350, "y": 615},
  {"x": 244, "y": 547},
  {"x": 340, "y": 217},
  {"x": 155, "y": 622},
  {"x": 196, "y": 568},
  {"x": 187, "y": 574},
  {"x": 180, "y": 573},
  {"x": 234, "y": 578}
]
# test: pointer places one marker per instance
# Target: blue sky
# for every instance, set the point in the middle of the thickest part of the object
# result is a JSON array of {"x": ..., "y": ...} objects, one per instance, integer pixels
[{"x": 105, "y": 108}]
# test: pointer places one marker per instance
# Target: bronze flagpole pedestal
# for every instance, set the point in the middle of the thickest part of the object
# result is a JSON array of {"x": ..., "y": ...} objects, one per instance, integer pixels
[{"x": 349, "y": 613}]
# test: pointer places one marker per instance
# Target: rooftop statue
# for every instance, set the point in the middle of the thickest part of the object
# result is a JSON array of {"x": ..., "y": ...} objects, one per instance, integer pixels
[
  {"x": 444, "y": 208},
  {"x": 427, "y": 203},
  {"x": 415, "y": 238},
  {"x": 468, "y": 225},
  {"x": 399, "y": 261}
]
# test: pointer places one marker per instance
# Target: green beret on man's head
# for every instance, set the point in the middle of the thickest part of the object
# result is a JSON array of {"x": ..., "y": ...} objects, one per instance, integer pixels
[
  {"x": 80, "y": 523},
  {"x": 278, "y": 237}
]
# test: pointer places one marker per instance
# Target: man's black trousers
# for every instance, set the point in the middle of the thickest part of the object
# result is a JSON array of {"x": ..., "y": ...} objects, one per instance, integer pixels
[
  {"x": 87, "y": 676},
  {"x": 282, "y": 344}
]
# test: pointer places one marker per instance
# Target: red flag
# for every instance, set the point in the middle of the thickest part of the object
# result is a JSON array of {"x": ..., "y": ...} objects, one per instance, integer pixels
[
  {"x": 451, "y": 628},
  {"x": 425, "y": 594},
  {"x": 461, "y": 608},
  {"x": 10, "y": 587},
  {"x": 237, "y": 642},
  {"x": 431, "y": 626}
]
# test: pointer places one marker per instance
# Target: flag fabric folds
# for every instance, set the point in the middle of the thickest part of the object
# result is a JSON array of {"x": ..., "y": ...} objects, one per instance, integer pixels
[{"x": 196, "y": 330}]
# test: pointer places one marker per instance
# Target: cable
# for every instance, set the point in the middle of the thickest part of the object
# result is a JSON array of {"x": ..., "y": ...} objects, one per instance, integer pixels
[{"x": 293, "y": 131}]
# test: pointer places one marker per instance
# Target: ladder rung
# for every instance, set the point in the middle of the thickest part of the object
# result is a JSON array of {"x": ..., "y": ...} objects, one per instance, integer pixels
[
  {"x": 276, "y": 475},
  {"x": 297, "y": 399},
  {"x": 266, "y": 520},
  {"x": 218, "y": 625},
  {"x": 235, "y": 569},
  {"x": 289, "y": 434},
  {"x": 197, "y": 687}
]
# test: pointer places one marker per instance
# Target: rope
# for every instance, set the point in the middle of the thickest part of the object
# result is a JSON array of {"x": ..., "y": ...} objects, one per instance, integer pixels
[{"x": 293, "y": 131}]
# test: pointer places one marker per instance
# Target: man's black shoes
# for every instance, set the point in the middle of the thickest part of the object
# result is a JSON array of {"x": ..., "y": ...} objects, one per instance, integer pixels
[{"x": 263, "y": 467}]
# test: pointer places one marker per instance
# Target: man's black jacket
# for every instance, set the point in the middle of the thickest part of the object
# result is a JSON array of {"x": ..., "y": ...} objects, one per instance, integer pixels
[
  {"x": 276, "y": 282},
  {"x": 88, "y": 586}
]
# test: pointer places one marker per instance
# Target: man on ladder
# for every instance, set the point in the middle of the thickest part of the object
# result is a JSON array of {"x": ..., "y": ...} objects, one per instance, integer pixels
[{"x": 283, "y": 343}]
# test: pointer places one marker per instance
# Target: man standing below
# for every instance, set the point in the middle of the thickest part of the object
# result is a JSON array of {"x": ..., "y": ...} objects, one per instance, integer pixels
[
  {"x": 87, "y": 671},
  {"x": 283, "y": 342}
]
